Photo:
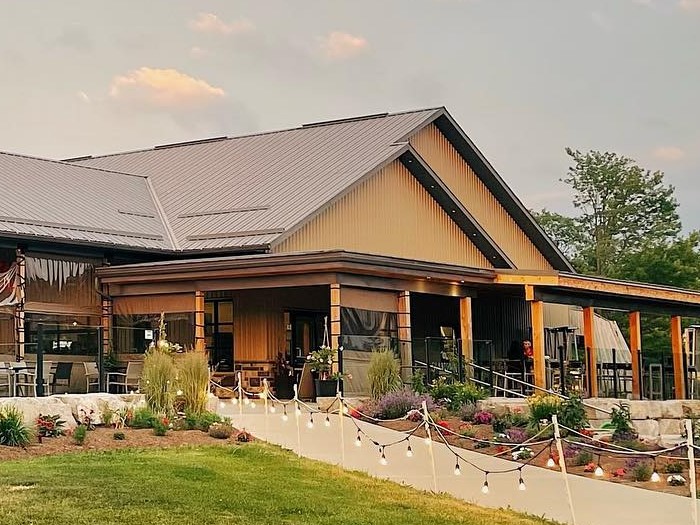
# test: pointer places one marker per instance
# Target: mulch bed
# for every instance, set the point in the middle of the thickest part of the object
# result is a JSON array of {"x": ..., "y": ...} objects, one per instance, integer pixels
[
  {"x": 102, "y": 439},
  {"x": 610, "y": 464}
]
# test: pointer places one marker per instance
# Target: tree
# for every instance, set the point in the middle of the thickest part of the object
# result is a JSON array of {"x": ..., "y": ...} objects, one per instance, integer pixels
[{"x": 623, "y": 209}]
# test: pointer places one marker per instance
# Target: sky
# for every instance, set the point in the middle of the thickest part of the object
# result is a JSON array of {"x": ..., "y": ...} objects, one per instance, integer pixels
[{"x": 524, "y": 78}]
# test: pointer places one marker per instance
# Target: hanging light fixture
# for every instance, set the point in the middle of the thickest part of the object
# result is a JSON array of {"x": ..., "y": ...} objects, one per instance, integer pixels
[
  {"x": 327, "y": 422},
  {"x": 458, "y": 471},
  {"x": 521, "y": 482},
  {"x": 358, "y": 440},
  {"x": 485, "y": 486},
  {"x": 382, "y": 459},
  {"x": 310, "y": 424},
  {"x": 655, "y": 478},
  {"x": 599, "y": 472},
  {"x": 409, "y": 451},
  {"x": 285, "y": 417}
]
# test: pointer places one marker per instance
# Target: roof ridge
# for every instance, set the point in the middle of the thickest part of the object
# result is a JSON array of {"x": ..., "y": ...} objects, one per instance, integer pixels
[
  {"x": 304, "y": 127},
  {"x": 71, "y": 164}
]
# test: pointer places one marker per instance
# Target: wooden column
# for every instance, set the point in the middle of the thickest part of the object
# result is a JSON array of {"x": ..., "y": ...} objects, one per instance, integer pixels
[
  {"x": 200, "y": 342},
  {"x": 539, "y": 368},
  {"x": 677, "y": 351},
  {"x": 405, "y": 349},
  {"x": 19, "y": 309},
  {"x": 466, "y": 331},
  {"x": 591, "y": 352},
  {"x": 335, "y": 319},
  {"x": 635, "y": 348}
]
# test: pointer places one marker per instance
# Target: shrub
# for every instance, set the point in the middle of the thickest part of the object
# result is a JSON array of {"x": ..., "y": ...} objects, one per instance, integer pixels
[
  {"x": 80, "y": 434},
  {"x": 467, "y": 411},
  {"x": 143, "y": 418},
  {"x": 483, "y": 417},
  {"x": 674, "y": 468},
  {"x": 201, "y": 421},
  {"x": 642, "y": 472},
  {"x": 465, "y": 429},
  {"x": 500, "y": 424},
  {"x": 108, "y": 415},
  {"x": 244, "y": 437},
  {"x": 160, "y": 428},
  {"x": 193, "y": 381},
  {"x": 119, "y": 436},
  {"x": 157, "y": 381},
  {"x": 621, "y": 422},
  {"x": 516, "y": 435},
  {"x": 543, "y": 407},
  {"x": 418, "y": 382},
  {"x": 633, "y": 444},
  {"x": 573, "y": 413},
  {"x": 400, "y": 403},
  {"x": 583, "y": 458},
  {"x": 455, "y": 395},
  {"x": 221, "y": 430},
  {"x": 13, "y": 431},
  {"x": 518, "y": 419},
  {"x": 50, "y": 426},
  {"x": 383, "y": 373}
]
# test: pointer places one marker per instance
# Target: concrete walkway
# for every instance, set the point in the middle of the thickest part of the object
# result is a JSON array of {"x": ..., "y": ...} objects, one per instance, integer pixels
[{"x": 595, "y": 502}]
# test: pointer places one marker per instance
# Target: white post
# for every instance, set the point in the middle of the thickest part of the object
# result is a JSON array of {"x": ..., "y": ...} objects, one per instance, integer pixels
[
  {"x": 691, "y": 472},
  {"x": 341, "y": 416},
  {"x": 296, "y": 418},
  {"x": 266, "y": 393},
  {"x": 426, "y": 419},
  {"x": 240, "y": 400},
  {"x": 562, "y": 466}
]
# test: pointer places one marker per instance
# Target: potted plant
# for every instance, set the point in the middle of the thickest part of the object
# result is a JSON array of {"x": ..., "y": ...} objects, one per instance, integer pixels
[
  {"x": 284, "y": 377},
  {"x": 321, "y": 362}
]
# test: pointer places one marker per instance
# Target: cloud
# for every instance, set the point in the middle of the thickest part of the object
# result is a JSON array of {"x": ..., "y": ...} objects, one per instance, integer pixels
[
  {"x": 668, "y": 153},
  {"x": 76, "y": 38},
  {"x": 689, "y": 5},
  {"x": 601, "y": 21},
  {"x": 210, "y": 23},
  {"x": 166, "y": 89},
  {"x": 339, "y": 46},
  {"x": 197, "y": 52}
]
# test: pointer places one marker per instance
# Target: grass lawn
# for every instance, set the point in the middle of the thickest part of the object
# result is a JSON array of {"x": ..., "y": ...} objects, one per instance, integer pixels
[{"x": 250, "y": 484}]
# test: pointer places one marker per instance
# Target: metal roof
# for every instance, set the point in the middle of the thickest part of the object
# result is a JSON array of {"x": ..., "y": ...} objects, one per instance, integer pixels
[
  {"x": 248, "y": 191},
  {"x": 56, "y": 200}
]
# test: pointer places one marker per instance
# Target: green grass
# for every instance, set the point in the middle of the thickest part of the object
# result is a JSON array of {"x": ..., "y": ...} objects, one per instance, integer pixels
[{"x": 249, "y": 484}]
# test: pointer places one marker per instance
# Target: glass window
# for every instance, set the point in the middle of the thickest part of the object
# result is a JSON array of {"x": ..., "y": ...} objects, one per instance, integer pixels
[
  {"x": 133, "y": 333},
  {"x": 62, "y": 335}
]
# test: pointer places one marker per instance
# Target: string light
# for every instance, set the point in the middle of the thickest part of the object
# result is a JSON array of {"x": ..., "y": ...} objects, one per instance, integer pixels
[
  {"x": 458, "y": 471},
  {"x": 655, "y": 478},
  {"x": 234, "y": 401},
  {"x": 409, "y": 451},
  {"x": 485, "y": 486},
  {"x": 310, "y": 424},
  {"x": 252, "y": 404},
  {"x": 273, "y": 409},
  {"x": 179, "y": 392},
  {"x": 599, "y": 470},
  {"x": 358, "y": 440},
  {"x": 221, "y": 404},
  {"x": 246, "y": 401},
  {"x": 297, "y": 410},
  {"x": 327, "y": 422},
  {"x": 550, "y": 462},
  {"x": 521, "y": 482},
  {"x": 285, "y": 417},
  {"x": 382, "y": 460},
  {"x": 345, "y": 409}
]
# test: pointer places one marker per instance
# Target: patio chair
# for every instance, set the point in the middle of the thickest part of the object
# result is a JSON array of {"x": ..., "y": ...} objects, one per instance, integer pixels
[
  {"x": 92, "y": 376},
  {"x": 5, "y": 378},
  {"x": 27, "y": 379},
  {"x": 61, "y": 377},
  {"x": 127, "y": 379}
]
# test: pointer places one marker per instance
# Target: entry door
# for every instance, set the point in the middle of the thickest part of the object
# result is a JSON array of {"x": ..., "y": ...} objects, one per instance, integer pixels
[
  {"x": 307, "y": 335},
  {"x": 218, "y": 328}
]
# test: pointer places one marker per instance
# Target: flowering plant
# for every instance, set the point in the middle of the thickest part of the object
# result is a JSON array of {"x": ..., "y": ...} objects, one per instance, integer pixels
[
  {"x": 321, "y": 361},
  {"x": 50, "y": 426},
  {"x": 483, "y": 417},
  {"x": 676, "y": 480},
  {"x": 522, "y": 453}
]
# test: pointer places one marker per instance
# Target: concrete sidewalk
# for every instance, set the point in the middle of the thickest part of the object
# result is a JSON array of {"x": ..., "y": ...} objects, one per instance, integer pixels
[{"x": 595, "y": 502}]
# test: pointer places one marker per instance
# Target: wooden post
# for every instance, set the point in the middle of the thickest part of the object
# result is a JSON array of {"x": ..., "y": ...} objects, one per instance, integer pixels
[
  {"x": 19, "y": 309},
  {"x": 677, "y": 351},
  {"x": 591, "y": 352},
  {"x": 539, "y": 368},
  {"x": 466, "y": 331},
  {"x": 691, "y": 472},
  {"x": 106, "y": 322},
  {"x": 335, "y": 320},
  {"x": 405, "y": 350},
  {"x": 199, "y": 337},
  {"x": 635, "y": 347},
  {"x": 562, "y": 466},
  {"x": 429, "y": 440}
]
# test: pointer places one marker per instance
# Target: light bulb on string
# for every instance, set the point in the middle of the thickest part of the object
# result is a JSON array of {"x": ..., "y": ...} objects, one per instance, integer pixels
[
  {"x": 234, "y": 401},
  {"x": 285, "y": 417},
  {"x": 221, "y": 404},
  {"x": 179, "y": 392},
  {"x": 550, "y": 462},
  {"x": 358, "y": 440},
  {"x": 310, "y": 424},
  {"x": 345, "y": 409},
  {"x": 297, "y": 410},
  {"x": 655, "y": 478},
  {"x": 599, "y": 470},
  {"x": 521, "y": 482},
  {"x": 382, "y": 459},
  {"x": 327, "y": 422},
  {"x": 409, "y": 451},
  {"x": 273, "y": 409},
  {"x": 485, "y": 486},
  {"x": 458, "y": 471}
]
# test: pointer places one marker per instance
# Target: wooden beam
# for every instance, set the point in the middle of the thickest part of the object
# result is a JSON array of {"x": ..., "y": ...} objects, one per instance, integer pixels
[
  {"x": 512, "y": 278},
  {"x": 635, "y": 349},
  {"x": 529, "y": 292},
  {"x": 335, "y": 319},
  {"x": 629, "y": 289},
  {"x": 677, "y": 351},
  {"x": 200, "y": 342},
  {"x": 404, "y": 321},
  {"x": 537, "y": 313},
  {"x": 591, "y": 352},
  {"x": 466, "y": 328}
]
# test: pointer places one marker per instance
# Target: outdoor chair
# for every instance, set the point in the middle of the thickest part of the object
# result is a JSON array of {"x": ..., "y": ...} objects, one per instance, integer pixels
[
  {"x": 127, "y": 379},
  {"x": 27, "y": 379},
  {"x": 92, "y": 376},
  {"x": 5, "y": 378},
  {"x": 61, "y": 377}
]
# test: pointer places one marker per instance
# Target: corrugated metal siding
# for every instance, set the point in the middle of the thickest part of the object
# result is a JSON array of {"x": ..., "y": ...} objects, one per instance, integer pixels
[
  {"x": 502, "y": 320},
  {"x": 291, "y": 173},
  {"x": 390, "y": 213},
  {"x": 481, "y": 203}
]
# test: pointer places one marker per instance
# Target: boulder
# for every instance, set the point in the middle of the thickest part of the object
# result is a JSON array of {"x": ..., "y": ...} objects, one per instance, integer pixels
[
  {"x": 670, "y": 427},
  {"x": 691, "y": 407},
  {"x": 93, "y": 405},
  {"x": 672, "y": 409},
  {"x": 648, "y": 429},
  {"x": 31, "y": 407},
  {"x": 645, "y": 409}
]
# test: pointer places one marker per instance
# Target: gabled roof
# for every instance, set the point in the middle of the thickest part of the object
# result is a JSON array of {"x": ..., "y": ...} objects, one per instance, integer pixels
[{"x": 47, "y": 199}]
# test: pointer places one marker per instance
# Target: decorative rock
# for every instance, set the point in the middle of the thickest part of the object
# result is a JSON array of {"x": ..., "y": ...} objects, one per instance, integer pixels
[
  {"x": 31, "y": 407},
  {"x": 671, "y": 409},
  {"x": 670, "y": 426},
  {"x": 84, "y": 404},
  {"x": 645, "y": 409},
  {"x": 647, "y": 429},
  {"x": 691, "y": 407}
]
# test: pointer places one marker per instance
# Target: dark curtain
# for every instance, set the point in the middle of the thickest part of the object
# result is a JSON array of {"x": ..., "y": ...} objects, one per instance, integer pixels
[{"x": 367, "y": 329}]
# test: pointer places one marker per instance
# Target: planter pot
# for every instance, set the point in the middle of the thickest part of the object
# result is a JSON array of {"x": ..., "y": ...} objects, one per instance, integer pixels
[
  {"x": 284, "y": 386},
  {"x": 326, "y": 387}
]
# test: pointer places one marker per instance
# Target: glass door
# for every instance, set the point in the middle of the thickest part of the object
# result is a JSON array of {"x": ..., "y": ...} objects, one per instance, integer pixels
[{"x": 218, "y": 329}]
